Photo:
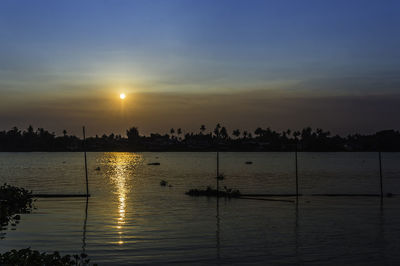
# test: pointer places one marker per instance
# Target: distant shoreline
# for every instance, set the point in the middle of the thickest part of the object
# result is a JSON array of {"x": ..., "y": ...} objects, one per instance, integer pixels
[{"x": 218, "y": 139}]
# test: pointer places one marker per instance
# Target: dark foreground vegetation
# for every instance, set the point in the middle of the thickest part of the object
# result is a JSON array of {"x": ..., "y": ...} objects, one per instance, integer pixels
[
  {"x": 219, "y": 138},
  {"x": 33, "y": 257},
  {"x": 13, "y": 201}
]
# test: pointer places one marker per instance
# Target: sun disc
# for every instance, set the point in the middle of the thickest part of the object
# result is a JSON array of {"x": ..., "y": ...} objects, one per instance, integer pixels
[{"x": 122, "y": 96}]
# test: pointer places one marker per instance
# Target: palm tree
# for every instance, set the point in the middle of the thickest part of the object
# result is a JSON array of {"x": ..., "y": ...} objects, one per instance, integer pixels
[
  {"x": 179, "y": 132},
  {"x": 296, "y": 134},
  {"x": 223, "y": 132},
  {"x": 217, "y": 130},
  {"x": 202, "y": 129},
  {"x": 41, "y": 131},
  {"x": 306, "y": 133},
  {"x": 245, "y": 133},
  {"x": 236, "y": 133},
  {"x": 30, "y": 130},
  {"x": 64, "y": 133},
  {"x": 258, "y": 131}
]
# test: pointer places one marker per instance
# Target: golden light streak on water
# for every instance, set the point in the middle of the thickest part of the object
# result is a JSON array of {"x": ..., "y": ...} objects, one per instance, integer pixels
[{"x": 122, "y": 165}]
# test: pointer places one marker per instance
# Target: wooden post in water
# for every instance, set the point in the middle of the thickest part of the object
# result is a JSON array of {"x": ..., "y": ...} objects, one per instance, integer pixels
[
  {"x": 297, "y": 174},
  {"x": 217, "y": 173},
  {"x": 380, "y": 173},
  {"x": 86, "y": 171}
]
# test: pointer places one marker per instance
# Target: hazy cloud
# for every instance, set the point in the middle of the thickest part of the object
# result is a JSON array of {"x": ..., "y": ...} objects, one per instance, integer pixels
[{"x": 157, "y": 112}]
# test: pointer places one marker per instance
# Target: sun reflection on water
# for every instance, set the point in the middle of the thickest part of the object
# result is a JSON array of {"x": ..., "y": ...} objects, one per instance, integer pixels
[{"x": 122, "y": 168}]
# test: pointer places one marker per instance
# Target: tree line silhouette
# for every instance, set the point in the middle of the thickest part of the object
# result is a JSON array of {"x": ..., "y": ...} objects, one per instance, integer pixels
[{"x": 218, "y": 138}]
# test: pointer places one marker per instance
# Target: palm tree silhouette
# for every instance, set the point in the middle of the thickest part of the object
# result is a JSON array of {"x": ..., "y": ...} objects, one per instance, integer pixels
[
  {"x": 258, "y": 132},
  {"x": 217, "y": 130},
  {"x": 179, "y": 132},
  {"x": 245, "y": 134},
  {"x": 223, "y": 132},
  {"x": 296, "y": 134},
  {"x": 236, "y": 133},
  {"x": 202, "y": 129}
]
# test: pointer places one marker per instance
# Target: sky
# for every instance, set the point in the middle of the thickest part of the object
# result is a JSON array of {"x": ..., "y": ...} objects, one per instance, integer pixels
[{"x": 243, "y": 63}]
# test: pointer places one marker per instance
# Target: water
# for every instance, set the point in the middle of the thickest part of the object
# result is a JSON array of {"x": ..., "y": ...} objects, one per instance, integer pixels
[{"x": 131, "y": 219}]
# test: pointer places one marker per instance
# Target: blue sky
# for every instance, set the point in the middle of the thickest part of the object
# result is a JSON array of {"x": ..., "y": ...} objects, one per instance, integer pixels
[{"x": 55, "y": 51}]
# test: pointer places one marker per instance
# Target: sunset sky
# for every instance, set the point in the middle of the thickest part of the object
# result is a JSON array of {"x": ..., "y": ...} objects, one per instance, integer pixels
[{"x": 283, "y": 64}]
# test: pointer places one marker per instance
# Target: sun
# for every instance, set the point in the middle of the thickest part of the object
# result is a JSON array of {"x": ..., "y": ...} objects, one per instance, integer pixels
[{"x": 122, "y": 96}]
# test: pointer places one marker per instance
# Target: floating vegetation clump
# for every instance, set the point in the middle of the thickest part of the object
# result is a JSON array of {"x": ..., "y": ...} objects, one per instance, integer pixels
[
  {"x": 163, "y": 183},
  {"x": 13, "y": 200},
  {"x": 33, "y": 257},
  {"x": 221, "y": 176},
  {"x": 210, "y": 192}
]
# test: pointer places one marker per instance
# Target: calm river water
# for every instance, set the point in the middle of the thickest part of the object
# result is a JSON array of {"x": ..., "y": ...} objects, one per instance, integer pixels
[{"x": 131, "y": 219}]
